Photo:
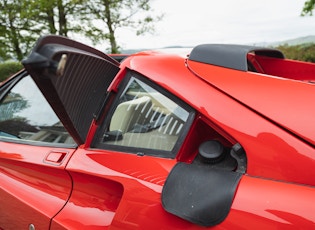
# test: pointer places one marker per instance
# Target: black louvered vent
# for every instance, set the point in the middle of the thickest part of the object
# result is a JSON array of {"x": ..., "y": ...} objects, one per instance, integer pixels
[
  {"x": 77, "y": 89},
  {"x": 82, "y": 87}
]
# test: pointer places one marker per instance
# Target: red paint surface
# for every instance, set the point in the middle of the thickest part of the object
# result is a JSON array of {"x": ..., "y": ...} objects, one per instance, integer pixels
[{"x": 100, "y": 189}]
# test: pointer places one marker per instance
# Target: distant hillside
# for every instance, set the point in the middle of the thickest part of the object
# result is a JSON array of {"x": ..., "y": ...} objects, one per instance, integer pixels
[
  {"x": 131, "y": 51},
  {"x": 291, "y": 42},
  {"x": 297, "y": 41}
]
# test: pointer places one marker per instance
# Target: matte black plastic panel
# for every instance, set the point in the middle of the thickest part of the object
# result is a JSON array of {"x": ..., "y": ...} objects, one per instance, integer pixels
[
  {"x": 229, "y": 56},
  {"x": 199, "y": 193}
]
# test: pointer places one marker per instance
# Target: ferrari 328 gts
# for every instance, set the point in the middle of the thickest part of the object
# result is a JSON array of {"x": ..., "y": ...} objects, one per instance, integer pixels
[{"x": 221, "y": 137}]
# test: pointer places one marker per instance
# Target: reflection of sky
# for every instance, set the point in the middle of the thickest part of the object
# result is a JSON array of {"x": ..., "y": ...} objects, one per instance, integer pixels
[{"x": 38, "y": 111}]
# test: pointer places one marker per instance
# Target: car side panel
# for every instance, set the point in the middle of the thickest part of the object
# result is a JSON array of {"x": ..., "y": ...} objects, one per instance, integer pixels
[
  {"x": 272, "y": 152},
  {"x": 283, "y": 101},
  {"x": 33, "y": 188},
  {"x": 115, "y": 190},
  {"x": 267, "y": 204}
]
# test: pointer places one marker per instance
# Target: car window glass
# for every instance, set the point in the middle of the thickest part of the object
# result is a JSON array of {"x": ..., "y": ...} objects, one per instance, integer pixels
[
  {"x": 26, "y": 115},
  {"x": 145, "y": 118}
]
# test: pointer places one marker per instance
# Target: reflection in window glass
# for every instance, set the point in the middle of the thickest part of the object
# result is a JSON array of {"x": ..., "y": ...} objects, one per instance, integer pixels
[
  {"x": 26, "y": 115},
  {"x": 145, "y": 118}
]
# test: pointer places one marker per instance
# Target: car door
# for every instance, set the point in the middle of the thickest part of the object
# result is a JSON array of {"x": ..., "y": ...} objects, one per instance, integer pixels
[
  {"x": 34, "y": 149},
  {"x": 45, "y": 115},
  {"x": 118, "y": 179},
  {"x": 126, "y": 148},
  {"x": 130, "y": 132}
]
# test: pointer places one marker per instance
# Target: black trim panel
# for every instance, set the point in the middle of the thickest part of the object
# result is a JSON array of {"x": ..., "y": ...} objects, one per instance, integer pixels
[
  {"x": 230, "y": 56},
  {"x": 199, "y": 193}
]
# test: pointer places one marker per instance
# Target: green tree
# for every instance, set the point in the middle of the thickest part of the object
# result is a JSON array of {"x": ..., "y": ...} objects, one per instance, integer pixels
[
  {"x": 96, "y": 20},
  {"x": 59, "y": 16},
  {"x": 8, "y": 68},
  {"x": 18, "y": 30},
  {"x": 303, "y": 52},
  {"x": 23, "y": 21},
  {"x": 109, "y": 15},
  {"x": 308, "y": 8}
]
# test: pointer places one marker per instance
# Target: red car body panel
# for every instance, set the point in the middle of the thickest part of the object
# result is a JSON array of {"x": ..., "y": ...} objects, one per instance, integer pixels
[
  {"x": 131, "y": 199},
  {"x": 277, "y": 207},
  {"x": 34, "y": 185},
  {"x": 88, "y": 187},
  {"x": 257, "y": 92},
  {"x": 233, "y": 117},
  {"x": 136, "y": 187}
]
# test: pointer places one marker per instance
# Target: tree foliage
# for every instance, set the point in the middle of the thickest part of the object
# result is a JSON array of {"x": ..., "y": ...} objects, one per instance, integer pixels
[
  {"x": 18, "y": 29},
  {"x": 308, "y": 8},
  {"x": 59, "y": 16},
  {"x": 23, "y": 21},
  {"x": 114, "y": 14},
  {"x": 303, "y": 52},
  {"x": 9, "y": 68}
]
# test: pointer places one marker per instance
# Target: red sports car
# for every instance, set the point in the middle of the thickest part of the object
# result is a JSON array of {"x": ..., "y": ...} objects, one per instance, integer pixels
[{"x": 220, "y": 137}]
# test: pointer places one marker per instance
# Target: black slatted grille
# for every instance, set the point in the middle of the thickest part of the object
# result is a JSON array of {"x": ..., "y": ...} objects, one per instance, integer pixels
[{"x": 82, "y": 87}]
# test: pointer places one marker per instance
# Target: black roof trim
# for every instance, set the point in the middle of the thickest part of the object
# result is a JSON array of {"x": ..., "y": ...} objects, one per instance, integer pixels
[{"x": 230, "y": 56}]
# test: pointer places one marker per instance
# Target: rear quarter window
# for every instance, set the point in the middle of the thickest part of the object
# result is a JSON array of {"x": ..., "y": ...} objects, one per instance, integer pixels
[{"x": 145, "y": 119}]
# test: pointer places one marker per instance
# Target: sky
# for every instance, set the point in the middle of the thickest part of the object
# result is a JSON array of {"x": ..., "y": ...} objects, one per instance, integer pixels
[{"x": 193, "y": 22}]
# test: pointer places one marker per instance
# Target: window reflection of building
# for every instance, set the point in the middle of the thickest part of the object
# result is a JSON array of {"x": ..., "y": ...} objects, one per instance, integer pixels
[
  {"x": 52, "y": 134},
  {"x": 25, "y": 114}
]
